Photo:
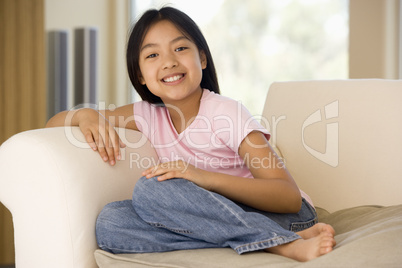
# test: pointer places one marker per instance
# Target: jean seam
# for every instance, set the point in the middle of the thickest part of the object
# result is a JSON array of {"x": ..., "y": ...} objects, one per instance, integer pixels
[
  {"x": 230, "y": 210},
  {"x": 180, "y": 231},
  {"x": 299, "y": 226},
  {"x": 275, "y": 241}
]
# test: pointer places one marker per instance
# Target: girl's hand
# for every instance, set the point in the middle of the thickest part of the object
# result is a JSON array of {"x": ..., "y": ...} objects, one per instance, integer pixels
[
  {"x": 178, "y": 169},
  {"x": 100, "y": 135}
]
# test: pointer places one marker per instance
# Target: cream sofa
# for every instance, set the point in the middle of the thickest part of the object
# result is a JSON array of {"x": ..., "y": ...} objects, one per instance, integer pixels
[{"x": 341, "y": 140}]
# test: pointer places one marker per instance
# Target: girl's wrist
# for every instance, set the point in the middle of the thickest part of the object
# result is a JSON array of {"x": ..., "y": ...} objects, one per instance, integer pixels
[
  {"x": 82, "y": 114},
  {"x": 207, "y": 179}
]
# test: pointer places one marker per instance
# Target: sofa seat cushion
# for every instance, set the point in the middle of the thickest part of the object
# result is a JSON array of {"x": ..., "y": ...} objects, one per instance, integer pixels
[{"x": 367, "y": 236}]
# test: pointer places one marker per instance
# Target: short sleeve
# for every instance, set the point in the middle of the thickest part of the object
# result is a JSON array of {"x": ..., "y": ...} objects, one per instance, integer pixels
[
  {"x": 142, "y": 116},
  {"x": 233, "y": 122}
]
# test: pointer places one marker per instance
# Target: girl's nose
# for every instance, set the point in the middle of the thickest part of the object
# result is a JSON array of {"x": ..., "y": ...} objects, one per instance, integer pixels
[{"x": 170, "y": 62}]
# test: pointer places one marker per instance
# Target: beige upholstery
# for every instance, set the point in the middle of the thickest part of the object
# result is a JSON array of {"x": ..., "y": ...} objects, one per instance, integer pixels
[
  {"x": 341, "y": 140},
  {"x": 55, "y": 186}
]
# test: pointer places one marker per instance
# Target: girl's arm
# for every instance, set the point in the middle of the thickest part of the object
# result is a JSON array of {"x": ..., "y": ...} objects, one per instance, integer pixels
[
  {"x": 272, "y": 188},
  {"x": 98, "y": 128}
]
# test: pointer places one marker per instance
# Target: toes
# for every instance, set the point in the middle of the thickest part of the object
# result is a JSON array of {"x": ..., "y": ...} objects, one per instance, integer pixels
[
  {"x": 329, "y": 228},
  {"x": 327, "y": 243},
  {"x": 326, "y": 228},
  {"x": 325, "y": 250}
]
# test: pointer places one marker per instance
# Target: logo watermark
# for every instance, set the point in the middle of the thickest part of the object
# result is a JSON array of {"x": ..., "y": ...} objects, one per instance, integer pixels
[
  {"x": 331, "y": 154},
  {"x": 206, "y": 162},
  {"x": 229, "y": 134}
]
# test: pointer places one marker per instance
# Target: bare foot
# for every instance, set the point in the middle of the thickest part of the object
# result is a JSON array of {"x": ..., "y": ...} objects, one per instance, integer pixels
[
  {"x": 306, "y": 249},
  {"x": 316, "y": 230}
]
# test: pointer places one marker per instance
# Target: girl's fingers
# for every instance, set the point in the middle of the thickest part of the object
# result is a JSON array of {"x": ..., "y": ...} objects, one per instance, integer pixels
[
  {"x": 90, "y": 140},
  {"x": 112, "y": 143},
  {"x": 110, "y": 153},
  {"x": 167, "y": 170},
  {"x": 122, "y": 144},
  {"x": 177, "y": 169},
  {"x": 152, "y": 172},
  {"x": 168, "y": 176},
  {"x": 105, "y": 140},
  {"x": 111, "y": 147},
  {"x": 116, "y": 142},
  {"x": 102, "y": 149},
  {"x": 101, "y": 145}
]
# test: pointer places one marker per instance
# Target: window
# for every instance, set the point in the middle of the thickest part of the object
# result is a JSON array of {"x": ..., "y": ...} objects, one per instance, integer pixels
[{"x": 255, "y": 43}]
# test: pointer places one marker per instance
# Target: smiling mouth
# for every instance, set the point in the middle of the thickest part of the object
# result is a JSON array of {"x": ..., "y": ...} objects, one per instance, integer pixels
[{"x": 174, "y": 78}]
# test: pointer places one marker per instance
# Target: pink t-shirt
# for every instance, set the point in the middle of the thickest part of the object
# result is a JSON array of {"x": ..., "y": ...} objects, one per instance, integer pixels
[{"x": 211, "y": 142}]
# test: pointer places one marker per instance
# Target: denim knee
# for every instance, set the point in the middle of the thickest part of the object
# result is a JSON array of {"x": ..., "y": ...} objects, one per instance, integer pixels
[
  {"x": 146, "y": 192},
  {"x": 141, "y": 187},
  {"x": 105, "y": 216},
  {"x": 108, "y": 221},
  {"x": 151, "y": 194}
]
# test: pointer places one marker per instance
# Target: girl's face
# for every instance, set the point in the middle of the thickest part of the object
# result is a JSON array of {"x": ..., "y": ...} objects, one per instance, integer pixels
[{"x": 170, "y": 64}]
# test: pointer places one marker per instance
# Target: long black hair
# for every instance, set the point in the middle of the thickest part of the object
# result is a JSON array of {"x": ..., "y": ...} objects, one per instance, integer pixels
[{"x": 188, "y": 27}]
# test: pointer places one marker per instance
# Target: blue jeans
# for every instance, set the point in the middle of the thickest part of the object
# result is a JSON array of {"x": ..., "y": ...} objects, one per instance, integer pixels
[{"x": 177, "y": 214}]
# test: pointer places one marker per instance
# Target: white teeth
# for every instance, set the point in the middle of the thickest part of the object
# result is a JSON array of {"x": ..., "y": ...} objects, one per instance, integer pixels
[{"x": 173, "y": 78}]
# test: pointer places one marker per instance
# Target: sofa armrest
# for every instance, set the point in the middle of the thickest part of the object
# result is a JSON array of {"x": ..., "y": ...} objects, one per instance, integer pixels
[{"x": 55, "y": 186}]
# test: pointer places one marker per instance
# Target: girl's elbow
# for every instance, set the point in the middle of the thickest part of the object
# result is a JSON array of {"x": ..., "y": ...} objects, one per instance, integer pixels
[
  {"x": 296, "y": 206},
  {"x": 296, "y": 203}
]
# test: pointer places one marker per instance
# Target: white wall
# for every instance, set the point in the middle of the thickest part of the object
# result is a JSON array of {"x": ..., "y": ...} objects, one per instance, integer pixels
[{"x": 110, "y": 17}]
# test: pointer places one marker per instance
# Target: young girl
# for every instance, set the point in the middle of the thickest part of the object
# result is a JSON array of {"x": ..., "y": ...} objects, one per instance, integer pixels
[{"x": 219, "y": 183}]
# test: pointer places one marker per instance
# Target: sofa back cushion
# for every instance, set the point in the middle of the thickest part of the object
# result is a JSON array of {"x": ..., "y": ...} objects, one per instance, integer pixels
[{"x": 341, "y": 140}]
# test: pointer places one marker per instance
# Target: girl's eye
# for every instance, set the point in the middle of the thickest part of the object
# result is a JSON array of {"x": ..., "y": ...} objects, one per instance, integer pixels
[
  {"x": 180, "y": 48},
  {"x": 152, "y": 55}
]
